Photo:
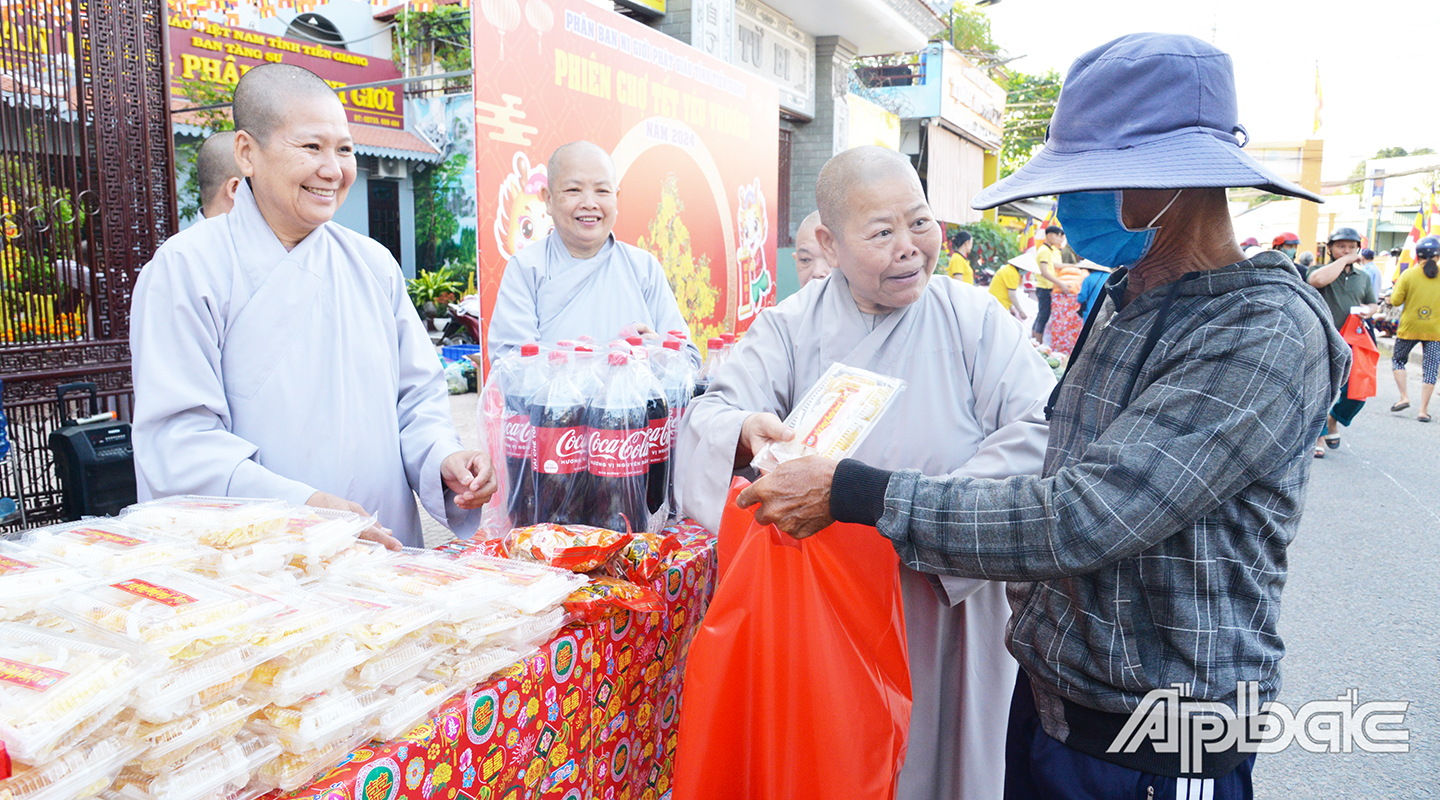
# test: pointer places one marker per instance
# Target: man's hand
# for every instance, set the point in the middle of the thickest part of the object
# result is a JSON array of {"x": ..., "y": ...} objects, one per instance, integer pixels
[
  {"x": 374, "y": 533},
  {"x": 795, "y": 497},
  {"x": 758, "y": 431},
  {"x": 470, "y": 476}
]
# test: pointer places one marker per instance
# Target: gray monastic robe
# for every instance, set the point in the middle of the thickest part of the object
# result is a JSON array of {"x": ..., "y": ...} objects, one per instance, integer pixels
[
  {"x": 547, "y": 295},
  {"x": 973, "y": 406},
  {"x": 262, "y": 373}
]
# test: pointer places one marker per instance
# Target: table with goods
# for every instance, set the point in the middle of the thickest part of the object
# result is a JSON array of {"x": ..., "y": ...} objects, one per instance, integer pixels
[{"x": 198, "y": 647}]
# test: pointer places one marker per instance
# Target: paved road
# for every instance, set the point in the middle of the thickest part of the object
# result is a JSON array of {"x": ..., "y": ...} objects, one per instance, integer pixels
[{"x": 1361, "y": 609}]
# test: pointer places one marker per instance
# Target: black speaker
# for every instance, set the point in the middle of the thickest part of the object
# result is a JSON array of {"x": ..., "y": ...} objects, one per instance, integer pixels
[{"x": 94, "y": 459}]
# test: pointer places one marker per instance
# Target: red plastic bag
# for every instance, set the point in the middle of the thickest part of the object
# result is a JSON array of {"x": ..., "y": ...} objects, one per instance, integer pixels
[
  {"x": 797, "y": 685},
  {"x": 1364, "y": 358}
]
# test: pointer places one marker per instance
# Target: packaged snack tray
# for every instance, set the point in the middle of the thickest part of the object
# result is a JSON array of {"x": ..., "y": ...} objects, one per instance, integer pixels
[
  {"x": 108, "y": 546},
  {"x": 531, "y": 630},
  {"x": 351, "y": 554},
  {"x": 170, "y": 742},
  {"x": 218, "y": 769},
  {"x": 395, "y": 666},
  {"x": 834, "y": 416},
  {"x": 213, "y": 521},
  {"x": 477, "y": 632},
  {"x": 536, "y": 586},
  {"x": 297, "y": 615},
  {"x": 265, "y": 557},
  {"x": 384, "y": 617},
  {"x": 412, "y": 703},
  {"x": 579, "y": 548},
  {"x": 191, "y": 685},
  {"x": 289, "y": 770},
  {"x": 290, "y": 679},
  {"x": 316, "y": 534},
  {"x": 28, "y": 577},
  {"x": 82, "y": 772},
  {"x": 162, "y": 609},
  {"x": 52, "y": 683},
  {"x": 462, "y": 592},
  {"x": 467, "y": 668},
  {"x": 319, "y": 721}
]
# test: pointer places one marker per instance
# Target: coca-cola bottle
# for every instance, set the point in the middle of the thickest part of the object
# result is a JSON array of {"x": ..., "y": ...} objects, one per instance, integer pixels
[
  {"x": 588, "y": 373},
  {"x": 619, "y": 449},
  {"x": 677, "y": 380},
  {"x": 714, "y": 357},
  {"x": 520, "y": 382},
  {"x": 558, "y": 456},
  {"x": 657, "y": 434}
]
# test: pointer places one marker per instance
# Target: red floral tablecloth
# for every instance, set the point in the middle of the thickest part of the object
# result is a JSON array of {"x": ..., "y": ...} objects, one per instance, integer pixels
[{"x": 591, "y": 715}]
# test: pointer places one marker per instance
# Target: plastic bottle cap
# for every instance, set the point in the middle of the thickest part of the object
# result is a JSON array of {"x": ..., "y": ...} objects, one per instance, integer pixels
[
  {"x": 678, "y": 334},
  {"x": 727, "y": 338},
  {"x": 634, "y": 341},
  {"x": 558, "y": 357},
  {"x": 619, "y": 359},
  {"x": 583, "y": 349},
  {"x": 530, "y": 349},
  {"x": 586, "y": 338},
  {"x": 716, "y": 341},
  {"x": 672, "y": 344}
]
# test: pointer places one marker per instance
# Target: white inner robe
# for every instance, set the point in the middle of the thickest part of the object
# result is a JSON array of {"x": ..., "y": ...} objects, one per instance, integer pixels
[
  {"x": 973, "y": 406},
  {"x": 547, "y": 295},
  {"x": 265, "y": 373}
]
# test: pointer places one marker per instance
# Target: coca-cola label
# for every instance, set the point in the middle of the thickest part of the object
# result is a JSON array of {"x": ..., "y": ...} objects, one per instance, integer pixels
[
  {"x": 518, "y": 433},
  {"x": 557, "y": 451},
  {"x": 619, "y": 454},
  {"x": 658, "y": 435}
]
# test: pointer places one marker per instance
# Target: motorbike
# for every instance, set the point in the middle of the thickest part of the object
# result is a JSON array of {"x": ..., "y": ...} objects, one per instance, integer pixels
[{"x": 464, "y": 324}]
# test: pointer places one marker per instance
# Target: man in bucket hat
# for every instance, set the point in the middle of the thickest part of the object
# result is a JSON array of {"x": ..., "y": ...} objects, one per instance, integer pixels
[{"x": 1146, "y": 562}]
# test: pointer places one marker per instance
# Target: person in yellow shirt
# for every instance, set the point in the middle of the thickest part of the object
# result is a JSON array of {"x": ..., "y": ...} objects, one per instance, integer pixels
[
  {"x": 1047, "y": 260},
  {"x": 1418, "y": 290},
  {"x": 959, "y": 268},
  {"x": 1005, "y": 286}
]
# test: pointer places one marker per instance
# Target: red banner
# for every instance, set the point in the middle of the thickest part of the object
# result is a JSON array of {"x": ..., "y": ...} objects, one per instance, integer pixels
[
  {"x": 695, "y": 143},
  {"x": 204, "y": 51}
]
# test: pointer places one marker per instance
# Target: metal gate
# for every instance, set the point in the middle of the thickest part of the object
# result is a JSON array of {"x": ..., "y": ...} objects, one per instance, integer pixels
[{"x": 87, "y": 193}]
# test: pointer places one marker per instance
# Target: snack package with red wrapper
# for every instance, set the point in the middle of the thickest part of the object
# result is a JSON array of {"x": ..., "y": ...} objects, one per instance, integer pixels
[
  {"x": 640, "y": 561},
  {"x": 494, "y": 548},
  {"x": 603, "y": 597},
  {"x": 578, "y": 548}
]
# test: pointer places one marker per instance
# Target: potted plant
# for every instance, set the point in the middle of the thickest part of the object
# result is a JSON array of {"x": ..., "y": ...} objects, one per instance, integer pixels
[{"x": 427, "y": 290}]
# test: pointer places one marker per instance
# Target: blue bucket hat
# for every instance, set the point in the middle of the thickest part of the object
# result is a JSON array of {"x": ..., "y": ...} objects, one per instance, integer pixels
[{"x": 1145, "y": 111}]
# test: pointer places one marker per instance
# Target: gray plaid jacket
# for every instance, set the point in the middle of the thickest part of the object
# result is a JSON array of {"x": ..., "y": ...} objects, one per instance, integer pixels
[{"x": 1152, "y": 549}]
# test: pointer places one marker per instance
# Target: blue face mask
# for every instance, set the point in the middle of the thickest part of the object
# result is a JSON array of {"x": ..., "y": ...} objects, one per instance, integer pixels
[{"x": 1092, "y": 225}]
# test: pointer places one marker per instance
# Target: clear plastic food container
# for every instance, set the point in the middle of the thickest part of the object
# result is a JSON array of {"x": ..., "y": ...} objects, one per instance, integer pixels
[
  {"x": 532, "y": 630},
  {"x": 163, "y": 610},
  {"x": 395, "y": 666},
  {"x": 213, "y": 521},
  {"x": 385, "y": 617},
  {"x": 536, "y": 586},
  {"x": 412, "y": 703},
  {"x": 317, "y": 534},
  {"x": 290, "y": 679},
  {"x": 265, "y": 557},
  {"x": 318, "y": 722},
  {"x": 291, "y": 770},
  {"x": 83, "y": 772},
  {"x": 462, "y": 592},
  {"x": 464, "y": 669},
  {"x": 108, "y": 546},
  {"x": 477, "y": 632},
  {"x": 170, "y": 742},
  {"x": 352, "y": 554},
  {"x": 834, "y": 416},
  {"x": 218, "y": 769},
  {"x": 53, "y": 683},
  {"x": 189, "y": 686},
  {"x": 297, "y": 617},
  {"x": 28, "y": 577}
]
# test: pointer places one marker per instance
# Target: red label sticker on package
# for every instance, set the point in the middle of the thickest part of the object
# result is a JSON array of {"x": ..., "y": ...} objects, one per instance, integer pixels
[
  {"x": 98, "y": 535},
  {"x": 8, "y": 564},
  {"x": 658, "y": 435},
  {"x": 619, "y": 454},
  {"x": 29, "y": 675},
  {"x": 518, "y": 433},
  {"x": 150, "y": 591},
  {"x": 558, "y": 451}
]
